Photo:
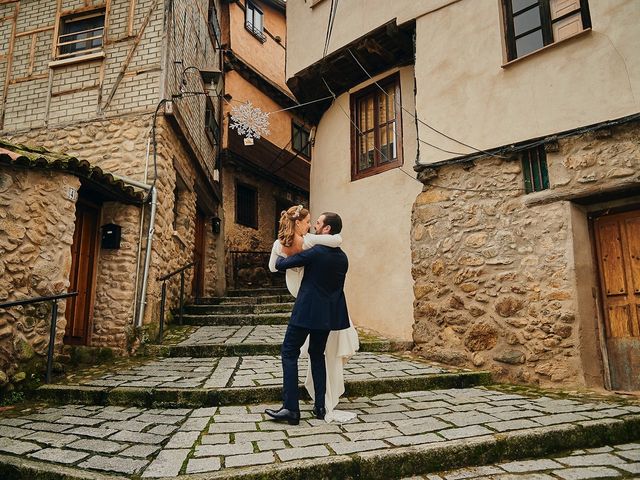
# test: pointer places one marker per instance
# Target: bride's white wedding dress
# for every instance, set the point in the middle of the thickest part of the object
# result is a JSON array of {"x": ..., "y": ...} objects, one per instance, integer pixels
[{"x": 341, "y": 344}]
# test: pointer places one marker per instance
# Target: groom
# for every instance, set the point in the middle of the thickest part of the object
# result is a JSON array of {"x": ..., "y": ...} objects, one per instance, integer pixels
[{"x": 320, "y": 307}]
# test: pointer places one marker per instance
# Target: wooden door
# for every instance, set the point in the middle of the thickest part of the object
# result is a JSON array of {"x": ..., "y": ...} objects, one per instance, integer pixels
[
  {"x": 618, "y": 250},
  {"x": 199, "y": 249},
  {"x": 79, "y": 312}
]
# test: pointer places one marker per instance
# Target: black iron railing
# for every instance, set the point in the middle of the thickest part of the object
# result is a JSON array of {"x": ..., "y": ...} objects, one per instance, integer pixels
[
  {"x": 54, "y": 319},
  {"x": 251, "y": 269},
  {"x": 164, "y": 279}
]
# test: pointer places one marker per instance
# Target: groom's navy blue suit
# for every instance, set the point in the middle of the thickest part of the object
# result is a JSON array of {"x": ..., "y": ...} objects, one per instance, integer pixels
[{"x": 320, "y": 307}]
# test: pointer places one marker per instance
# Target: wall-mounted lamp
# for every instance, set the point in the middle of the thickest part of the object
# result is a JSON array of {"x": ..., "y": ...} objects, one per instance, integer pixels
[
  {"x": 216, "y": 223},
  {"x": 212, "y": 79}
]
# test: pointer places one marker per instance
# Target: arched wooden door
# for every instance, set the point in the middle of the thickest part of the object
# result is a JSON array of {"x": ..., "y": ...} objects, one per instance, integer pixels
[{"x": 618, "y": 251}]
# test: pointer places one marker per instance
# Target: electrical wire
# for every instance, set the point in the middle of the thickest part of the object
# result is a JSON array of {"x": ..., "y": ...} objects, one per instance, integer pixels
[
  {"x": 332, "y": 14},
  {"x": 418, "y": 119},
  {"x": 360, "y": 131}
]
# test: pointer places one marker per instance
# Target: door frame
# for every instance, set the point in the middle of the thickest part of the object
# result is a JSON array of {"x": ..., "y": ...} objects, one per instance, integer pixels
[
  {"x": 95, "y": 245},
  {"x": 592, "y": 215},
  {"x": 200, "y": 240}
]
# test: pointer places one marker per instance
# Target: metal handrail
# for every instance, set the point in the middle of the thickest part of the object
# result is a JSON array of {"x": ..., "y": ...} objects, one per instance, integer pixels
[
  {"x": 54, "y": 318},
  {"x": 163, "y": 300}
]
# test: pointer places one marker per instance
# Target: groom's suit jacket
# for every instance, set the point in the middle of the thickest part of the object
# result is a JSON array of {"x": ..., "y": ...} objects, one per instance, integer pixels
[{"x": 320, "y": 304}]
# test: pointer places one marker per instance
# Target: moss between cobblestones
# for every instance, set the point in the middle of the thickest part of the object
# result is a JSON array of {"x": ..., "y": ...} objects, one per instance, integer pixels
[
  {"x": 239, "y": 320},
  {"x": 74, "y": 394},
  {"x": 18, "y": 468},
  {"x": 404, "y": 462},
  {"x": 197, "y": 397},
  {"x": 392, "y": 463},
  {"x": 246, "y": 349}
]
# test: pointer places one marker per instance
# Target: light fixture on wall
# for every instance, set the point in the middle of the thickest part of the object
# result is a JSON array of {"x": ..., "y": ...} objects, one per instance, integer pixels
[{"x": 216, "y": 224}]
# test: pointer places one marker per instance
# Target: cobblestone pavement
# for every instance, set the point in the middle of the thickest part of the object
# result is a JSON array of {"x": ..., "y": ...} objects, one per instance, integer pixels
[
  {"x": 618, "y": 461},
  {"x": 158, "y": 443},
  {"x": 236, "y": 335},
  {"x": 250, "y": 371}
]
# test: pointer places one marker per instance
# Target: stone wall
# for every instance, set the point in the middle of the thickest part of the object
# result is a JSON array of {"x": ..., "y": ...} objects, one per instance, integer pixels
[
  {"x": 495, "y": 270},
  {"x": 119, "y": 145},
  {"x": 243, "y": 238},
  {"x": 36, "y": 233}
]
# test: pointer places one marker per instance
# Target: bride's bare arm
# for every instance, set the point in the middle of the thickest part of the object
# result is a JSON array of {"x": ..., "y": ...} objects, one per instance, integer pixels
[{"x": 276, "y": 251}]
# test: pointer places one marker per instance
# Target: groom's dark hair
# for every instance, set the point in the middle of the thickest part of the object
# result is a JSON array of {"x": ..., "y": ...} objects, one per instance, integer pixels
[{"x": 334, "y": 221}]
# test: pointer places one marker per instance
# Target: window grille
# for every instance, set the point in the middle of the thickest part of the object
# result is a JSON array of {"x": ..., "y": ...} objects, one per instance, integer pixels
[
  {"x": 246, "y": 205},
  {"x": 81, "y": 34},
  {"x": 534, "y": 169}
]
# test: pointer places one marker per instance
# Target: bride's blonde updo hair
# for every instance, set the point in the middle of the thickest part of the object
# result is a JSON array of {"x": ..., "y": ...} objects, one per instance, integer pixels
[{"x": 287, "y": 230}]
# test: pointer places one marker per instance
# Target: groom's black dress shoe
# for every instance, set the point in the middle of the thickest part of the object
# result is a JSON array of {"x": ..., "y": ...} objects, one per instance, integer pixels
[
  {"x": 319, "y": 412},
  {"x": 284, "y": 415}
]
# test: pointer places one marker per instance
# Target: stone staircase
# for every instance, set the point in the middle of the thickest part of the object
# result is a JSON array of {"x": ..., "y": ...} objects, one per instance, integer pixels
[{"x": 192, "y": 407}]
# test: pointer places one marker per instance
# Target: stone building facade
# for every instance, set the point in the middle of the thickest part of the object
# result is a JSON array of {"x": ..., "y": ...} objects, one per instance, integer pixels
[
  {"x": 259, "y": 180},
  {"x": 506, "y": 281},
  {"x": 97, "y": 97},
  {"x": 518, "y": 249}
]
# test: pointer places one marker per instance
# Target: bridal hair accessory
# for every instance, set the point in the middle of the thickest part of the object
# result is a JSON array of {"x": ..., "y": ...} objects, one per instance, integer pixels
[{"x": 296, "y": 215}]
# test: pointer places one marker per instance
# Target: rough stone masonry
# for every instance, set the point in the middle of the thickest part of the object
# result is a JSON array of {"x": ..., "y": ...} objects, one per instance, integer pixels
[{"x": 496, "y": 282}]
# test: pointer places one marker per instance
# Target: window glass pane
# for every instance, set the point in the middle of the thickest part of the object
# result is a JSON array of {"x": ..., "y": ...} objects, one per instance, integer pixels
[
  {"x": 394, "y": 141},
  {"x": 369, "y": 114},
  {"x": 249, "y": 16},
  {"x": 529, "y": 43},
  {"x": 391, "y": 91},
  {"x": 257, "y": 21},
  {"x": 517, "y": 5},
  {"x": 76, "y": 33},
  {"x": 382, "y": 108},
  {"x": 384, "y": 144},
  {"x": 367, "y": 157},
  {"x": 362, "y": 115},
  {"x": 526, "y": 21}
]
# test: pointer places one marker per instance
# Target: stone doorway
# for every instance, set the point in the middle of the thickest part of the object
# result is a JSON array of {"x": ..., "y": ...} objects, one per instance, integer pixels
[
  {"x": 199, "y": 249},
  {"x": 82, "y": 278},
  {"x": 617, "y": 241}
]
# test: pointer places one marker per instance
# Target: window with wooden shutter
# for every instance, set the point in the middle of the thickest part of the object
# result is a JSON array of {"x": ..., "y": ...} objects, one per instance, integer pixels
[{"x": 533, "y": 24}]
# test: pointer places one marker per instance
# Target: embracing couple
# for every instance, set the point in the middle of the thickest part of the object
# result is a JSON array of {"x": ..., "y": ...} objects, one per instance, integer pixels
[{"x": 315, "y": 268}]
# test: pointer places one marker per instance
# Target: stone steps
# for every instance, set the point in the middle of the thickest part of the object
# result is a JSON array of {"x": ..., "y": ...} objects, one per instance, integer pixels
[
  {"x": 394, "y": 436},
  {"x": 246, "y": 300},
  {"x": 257, "y": 292},
  {"x": 237, "y": 320},
  {"x": 233, "y": 309},
  {"x": 196, "y": 411},
  {"x": 247, "y": 348},
  {"x": 194, "y": 382}
]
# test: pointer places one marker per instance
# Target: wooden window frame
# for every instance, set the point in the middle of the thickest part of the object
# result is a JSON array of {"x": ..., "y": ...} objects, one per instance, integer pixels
[
  {"x": 374, "y": 90},
  {"x": 546, "y": 24},
  {"x": 535, "y": 171},
  {"x": 75, "y": 17},
  {"x": 249, "y": 224},
  {"x": 295, "y": 127},
  {"x": 250, "y": 27}
]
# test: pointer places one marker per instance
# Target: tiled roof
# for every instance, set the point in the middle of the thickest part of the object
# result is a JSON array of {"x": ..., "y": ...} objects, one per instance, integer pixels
[{"x": 41, "y": 158}]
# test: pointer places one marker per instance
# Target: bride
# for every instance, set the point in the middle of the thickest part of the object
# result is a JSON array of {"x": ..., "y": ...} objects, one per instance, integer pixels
[{"x": 293, "y": 237}]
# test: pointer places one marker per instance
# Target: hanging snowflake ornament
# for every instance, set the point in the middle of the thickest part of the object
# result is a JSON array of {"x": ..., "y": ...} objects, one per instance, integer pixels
[{"x": 249, "y": 121}]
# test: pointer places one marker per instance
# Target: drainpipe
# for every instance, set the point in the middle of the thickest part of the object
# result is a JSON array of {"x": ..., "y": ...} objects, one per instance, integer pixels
[{"x": 147, "y": 261}]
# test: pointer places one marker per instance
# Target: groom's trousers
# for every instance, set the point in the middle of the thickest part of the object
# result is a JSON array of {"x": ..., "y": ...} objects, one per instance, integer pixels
[{"x": 293, "y": 341}]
